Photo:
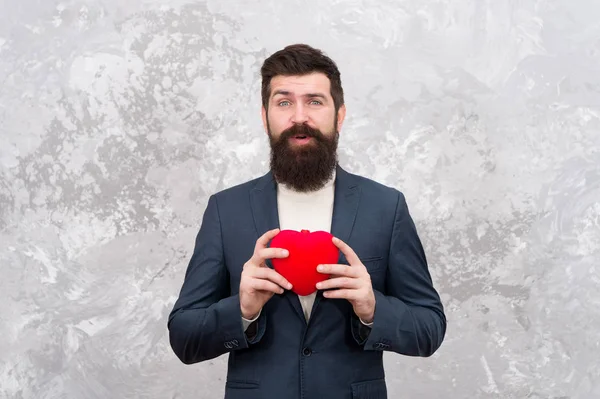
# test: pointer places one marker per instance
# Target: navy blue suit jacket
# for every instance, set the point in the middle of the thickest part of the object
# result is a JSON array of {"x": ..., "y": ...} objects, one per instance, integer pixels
[{"x": 330, "y": 356}]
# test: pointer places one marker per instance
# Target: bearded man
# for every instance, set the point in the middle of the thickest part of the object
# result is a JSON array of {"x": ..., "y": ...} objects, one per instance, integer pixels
[{"x": 378, "y": 296}]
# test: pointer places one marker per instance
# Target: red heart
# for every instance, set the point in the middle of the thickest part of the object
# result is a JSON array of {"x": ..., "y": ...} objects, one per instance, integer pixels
[{"x": 306, "y": 251}]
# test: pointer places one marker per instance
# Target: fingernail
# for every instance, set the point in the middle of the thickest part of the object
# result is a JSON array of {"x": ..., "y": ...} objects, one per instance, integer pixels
[
  {"x": 319, "y": 285},
  {"x": 320, "y": 268},
  {"x": 285, "y": 252},
  {"x": 289, "y": 286}
]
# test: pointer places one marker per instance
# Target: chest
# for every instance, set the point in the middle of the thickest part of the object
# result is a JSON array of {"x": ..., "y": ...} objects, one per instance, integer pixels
[{"x": 305, "y": 214}]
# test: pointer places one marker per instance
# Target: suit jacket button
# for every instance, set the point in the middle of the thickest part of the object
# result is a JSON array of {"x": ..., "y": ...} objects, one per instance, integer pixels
[{"x": 306, "y": 352}]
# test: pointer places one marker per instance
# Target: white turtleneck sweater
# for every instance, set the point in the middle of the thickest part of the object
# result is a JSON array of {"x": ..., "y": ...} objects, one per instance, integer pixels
[
  {"x": 311, "y": 211},
  {"x": 306, "y": 211}
]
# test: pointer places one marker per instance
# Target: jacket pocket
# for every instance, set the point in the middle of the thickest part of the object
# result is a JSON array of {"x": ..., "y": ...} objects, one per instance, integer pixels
[
  {"x": 373, "y": 389},
  {"x": 372, "y": 262},
  {"x": 241, "y": 384}
]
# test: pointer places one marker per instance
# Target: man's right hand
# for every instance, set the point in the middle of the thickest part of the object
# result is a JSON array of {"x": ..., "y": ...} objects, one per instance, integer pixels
[{"x": 259, "y": 282}]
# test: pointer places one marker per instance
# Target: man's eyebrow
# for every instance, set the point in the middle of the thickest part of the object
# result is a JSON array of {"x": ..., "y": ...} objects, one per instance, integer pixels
[
  {"x": 281, "y": 92},
  {"x": 309, "y": 95},
  {"x": 315, "y": 95}
]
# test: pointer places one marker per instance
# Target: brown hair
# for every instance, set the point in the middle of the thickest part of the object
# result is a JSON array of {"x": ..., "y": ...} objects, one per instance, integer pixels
[{"x": 301, "y": 59}]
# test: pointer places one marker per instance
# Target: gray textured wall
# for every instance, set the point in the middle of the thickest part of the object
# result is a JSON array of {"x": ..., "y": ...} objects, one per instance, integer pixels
[{"x": 119, "y": 118}]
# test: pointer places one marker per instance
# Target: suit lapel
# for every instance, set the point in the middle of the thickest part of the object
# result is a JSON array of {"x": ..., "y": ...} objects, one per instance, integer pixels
[
  {"x": 263, "y": 199},
  {"x": 345, "y": 208}
]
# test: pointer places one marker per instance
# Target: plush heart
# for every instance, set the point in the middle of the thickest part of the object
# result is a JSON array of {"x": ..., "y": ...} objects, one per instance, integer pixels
[{"x": 307, "y": 250}]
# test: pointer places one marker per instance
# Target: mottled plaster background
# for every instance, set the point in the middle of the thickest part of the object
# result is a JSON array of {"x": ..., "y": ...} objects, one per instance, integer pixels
[{"x": 119, "y": 118}]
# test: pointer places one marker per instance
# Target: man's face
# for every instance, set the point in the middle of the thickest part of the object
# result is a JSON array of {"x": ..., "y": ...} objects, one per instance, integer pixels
[{"x": 303, "y": 130}]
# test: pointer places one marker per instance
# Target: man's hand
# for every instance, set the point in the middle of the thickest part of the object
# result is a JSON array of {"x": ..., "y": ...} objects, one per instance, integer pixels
[
  {"x": 259, "y": 282},
  {"x": 352, "y": 282}
]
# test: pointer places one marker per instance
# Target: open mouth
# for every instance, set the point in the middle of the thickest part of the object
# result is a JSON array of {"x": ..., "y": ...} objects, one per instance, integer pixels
[{"x": 301, "y": 137}]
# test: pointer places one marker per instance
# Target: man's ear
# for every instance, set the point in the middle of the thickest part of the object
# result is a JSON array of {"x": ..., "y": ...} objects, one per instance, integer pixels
[
  {"x": 340, "y": 117},
  {"x": 264, "y": 118}
]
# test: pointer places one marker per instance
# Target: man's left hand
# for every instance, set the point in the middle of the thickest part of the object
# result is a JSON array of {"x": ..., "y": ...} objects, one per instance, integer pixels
[{"x": 350, "y": 282}]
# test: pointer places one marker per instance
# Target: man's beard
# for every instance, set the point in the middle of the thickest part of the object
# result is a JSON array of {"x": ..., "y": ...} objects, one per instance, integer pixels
[{"x": 306, "y": 167}]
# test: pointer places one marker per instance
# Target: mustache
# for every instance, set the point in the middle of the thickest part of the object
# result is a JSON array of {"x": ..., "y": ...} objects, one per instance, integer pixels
[{"x": 301, "y": 130}]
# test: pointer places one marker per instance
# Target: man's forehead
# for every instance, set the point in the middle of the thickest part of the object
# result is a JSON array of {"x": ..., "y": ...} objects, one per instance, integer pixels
[{"x": 300, "y": 85}]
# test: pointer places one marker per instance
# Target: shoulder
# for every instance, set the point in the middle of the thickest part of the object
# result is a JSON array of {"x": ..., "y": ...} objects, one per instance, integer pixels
[
  {"x": 241, "y": 190},
  {"x": 385, "y": 198},
  {"x": 376, "y": 190}
]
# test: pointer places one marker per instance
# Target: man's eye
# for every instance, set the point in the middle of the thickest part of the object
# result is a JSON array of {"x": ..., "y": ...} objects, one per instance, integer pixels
[
  {"x": 316, "y": 101},
  {"x": 283, "y": 103}
]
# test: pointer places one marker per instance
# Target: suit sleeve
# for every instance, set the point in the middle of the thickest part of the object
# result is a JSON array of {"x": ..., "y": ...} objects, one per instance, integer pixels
[
  {"x": 409, "y": 316},
  {"x": 206, "y": 320}
]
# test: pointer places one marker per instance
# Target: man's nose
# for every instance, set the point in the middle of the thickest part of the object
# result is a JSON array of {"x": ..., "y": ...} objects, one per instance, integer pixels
[{"x": 299, "y": 115}]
